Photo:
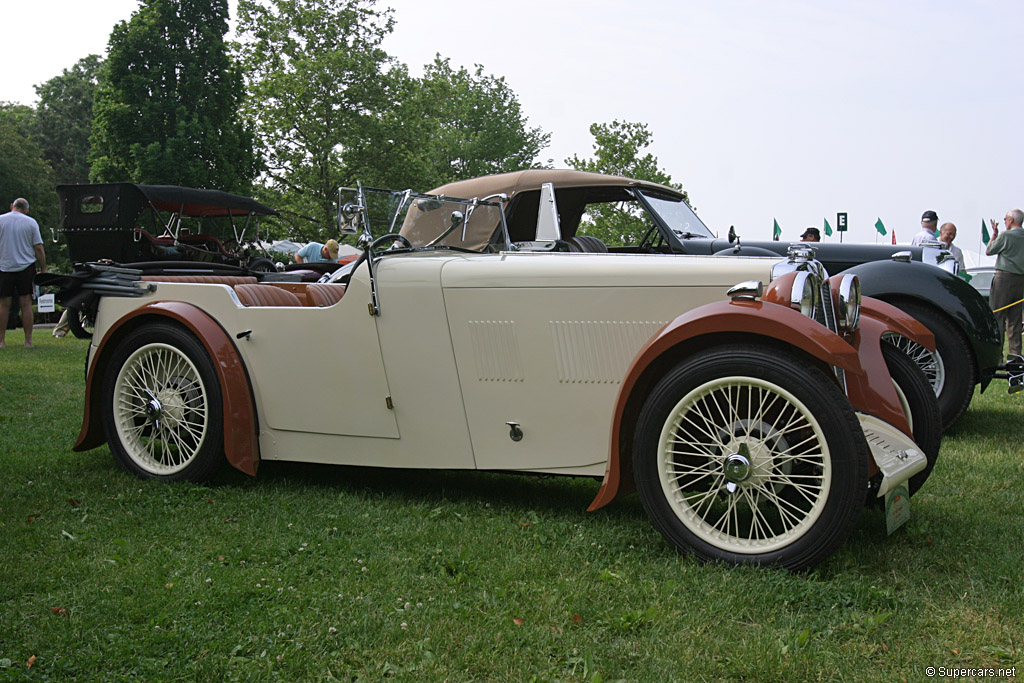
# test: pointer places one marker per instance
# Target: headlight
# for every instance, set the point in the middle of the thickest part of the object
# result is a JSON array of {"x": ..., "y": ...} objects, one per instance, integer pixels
[
  {"x": 848, "y": 303},
  {"x": 804, "y": 296}
]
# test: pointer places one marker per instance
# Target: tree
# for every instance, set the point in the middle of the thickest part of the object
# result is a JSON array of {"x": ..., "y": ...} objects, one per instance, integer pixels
[
  {"x": 24, "y": 173},
  {"x": 63, "y": 120},
  {"x": 166, "y": 109},
  {"x": 476, "y": 125},
  {"x": 617, "y": 149},
  {"x": 317, "y": 84},
  {"x": 331, "y": 107}
]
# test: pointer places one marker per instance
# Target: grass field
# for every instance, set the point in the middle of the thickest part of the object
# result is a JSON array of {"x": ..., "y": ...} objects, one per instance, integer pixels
[{"x": 318, "y": 573}]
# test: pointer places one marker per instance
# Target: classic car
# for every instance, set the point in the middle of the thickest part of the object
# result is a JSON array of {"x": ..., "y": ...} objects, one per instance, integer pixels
[
  {"x": 964, "y": 327},
  {"x": 165, "y": 224},
  {"x": 981, "y": 279},
  {"x": 756, "y": 421}
]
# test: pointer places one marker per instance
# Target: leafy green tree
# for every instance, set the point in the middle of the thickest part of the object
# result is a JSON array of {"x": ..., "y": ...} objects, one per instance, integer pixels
[
  {"x": 63, "y": 119},
  {"x": 331, "y": 107},
  {"x": 618, "y": 148},
  {"x": 476, "y": 125},
  {"x": 166, "y": 109},
  {"x": 317, "y": 83},
  {"x": 24, "y": 173}
]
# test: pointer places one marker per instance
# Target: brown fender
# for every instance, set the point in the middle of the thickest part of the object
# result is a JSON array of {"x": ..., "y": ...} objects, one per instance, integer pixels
[
  {"x": 873, "y": 392},
  {"x": 241, "y": 441},
  {"x": 737, "y": 316}
]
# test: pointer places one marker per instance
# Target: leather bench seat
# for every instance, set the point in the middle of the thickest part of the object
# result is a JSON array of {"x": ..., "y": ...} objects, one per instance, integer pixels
[{"x": 229, "y": 280}]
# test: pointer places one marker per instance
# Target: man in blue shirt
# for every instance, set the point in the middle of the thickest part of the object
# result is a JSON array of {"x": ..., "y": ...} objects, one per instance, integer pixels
[
  {"x": 21, "y": 255},
  {"x": 314, "y": 252}
]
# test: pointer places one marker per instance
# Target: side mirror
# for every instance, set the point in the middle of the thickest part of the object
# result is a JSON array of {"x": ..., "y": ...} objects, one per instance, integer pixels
[{"x": 732, "y": 234}]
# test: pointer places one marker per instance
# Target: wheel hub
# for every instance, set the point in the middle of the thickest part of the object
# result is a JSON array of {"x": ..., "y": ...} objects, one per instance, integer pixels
[{"x": 752, "y": 448}]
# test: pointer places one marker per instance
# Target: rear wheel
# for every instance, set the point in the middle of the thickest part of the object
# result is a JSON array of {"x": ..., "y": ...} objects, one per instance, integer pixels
[
  {"x": 732, "y": 463},
  {"x": 162, "y": 406},
  {"x": 921, "y": 406},
  {"x": 951, "y": 369},
  {"x": 78, "y": 321}
]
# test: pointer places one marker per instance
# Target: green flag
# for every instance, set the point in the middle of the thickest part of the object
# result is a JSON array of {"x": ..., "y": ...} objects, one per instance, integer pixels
[
  {"x": 777, "y": 232},
  {"x": 880, "y": 227},
  {"x": 828, "y": 229},
  {"x": 984, "y": 232}
]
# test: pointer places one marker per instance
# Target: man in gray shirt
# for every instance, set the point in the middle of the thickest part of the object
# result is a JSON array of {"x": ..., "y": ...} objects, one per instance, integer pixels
[
  {"x": 1008, "y": 283},
  {"x": 21, "y": 255}
]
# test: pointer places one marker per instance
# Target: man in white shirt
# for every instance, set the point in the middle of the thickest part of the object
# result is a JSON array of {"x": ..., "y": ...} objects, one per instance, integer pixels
[
  {"x": 929, "y": 221},
  {"x": 947, "y": 233},
  {"x": 21, "y": 255}
]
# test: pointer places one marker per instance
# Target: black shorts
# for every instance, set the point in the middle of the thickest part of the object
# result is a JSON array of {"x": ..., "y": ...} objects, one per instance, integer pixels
[{"x": 18, "y": 283}]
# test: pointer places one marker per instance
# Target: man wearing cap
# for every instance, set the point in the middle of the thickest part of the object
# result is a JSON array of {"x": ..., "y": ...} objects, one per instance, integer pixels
[
  {"x": 929, "y": 221},
  {"x": 314, "y": 252},
  {"x": 811, "y": 235},
  {"x": 1008, "y": 283}
]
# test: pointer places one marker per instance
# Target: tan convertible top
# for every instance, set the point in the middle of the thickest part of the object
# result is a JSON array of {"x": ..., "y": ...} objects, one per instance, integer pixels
[{"x": 532, "y": 179}]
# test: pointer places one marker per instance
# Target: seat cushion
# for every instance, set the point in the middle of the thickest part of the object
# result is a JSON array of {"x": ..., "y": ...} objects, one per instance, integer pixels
[
  {"x": 324, "y": 294},
  {"x": 265, "y": 295}
]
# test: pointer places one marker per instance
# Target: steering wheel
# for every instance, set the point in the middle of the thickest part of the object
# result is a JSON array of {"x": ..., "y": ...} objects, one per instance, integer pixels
[{"x": 344, "y": 272}]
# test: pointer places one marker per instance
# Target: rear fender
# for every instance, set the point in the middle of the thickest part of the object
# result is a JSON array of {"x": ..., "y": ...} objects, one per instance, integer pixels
[
  {"x": 694, "y": 331},
  {"x": 241, "y": 440}
]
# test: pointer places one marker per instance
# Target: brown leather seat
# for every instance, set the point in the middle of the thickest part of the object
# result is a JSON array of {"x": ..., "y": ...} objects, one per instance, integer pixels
[
  {"x": 265, "y": 295},
  {"x": 229, "y": 280},
  {"x": 324, "y": 294}
]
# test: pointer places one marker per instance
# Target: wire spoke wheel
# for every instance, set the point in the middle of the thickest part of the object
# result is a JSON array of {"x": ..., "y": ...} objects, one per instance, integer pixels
[
  {"x": 750, "y": 455},
  {"x": 744, "y": 465},
  {"x": 929, "y": 362},
  {"x": 161, "y": 408},
  {"x": 163, "y": 405}
]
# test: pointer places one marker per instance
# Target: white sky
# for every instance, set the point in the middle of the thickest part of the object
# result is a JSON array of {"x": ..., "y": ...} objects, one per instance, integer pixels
[{"x": 789, "y": 109}]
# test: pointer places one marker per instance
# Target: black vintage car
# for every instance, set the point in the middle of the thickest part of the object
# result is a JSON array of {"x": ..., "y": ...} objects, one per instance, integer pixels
[
  {"x": 157, "y": 228},
  {"x": 130, "y": 223},
  {"x": 966, "y": 335}
]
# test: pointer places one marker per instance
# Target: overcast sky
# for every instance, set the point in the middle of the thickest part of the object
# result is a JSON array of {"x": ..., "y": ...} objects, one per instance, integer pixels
[{"x": 791, "y": 109}]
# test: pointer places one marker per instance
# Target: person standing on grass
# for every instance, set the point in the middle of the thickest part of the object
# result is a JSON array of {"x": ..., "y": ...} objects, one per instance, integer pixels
[
  {"x": 1008, "y": 283},
  {"x": 929, "y": 220},
  {"x": 21, "y": 255}
]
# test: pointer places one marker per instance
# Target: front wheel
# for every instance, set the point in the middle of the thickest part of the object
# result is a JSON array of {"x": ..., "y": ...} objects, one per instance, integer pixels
[
  {"x": 162, "y": 406},
  {"x": 733, "y": 464},
  {"x": 920, "y": 406},
  {"x": 950, "y": 369}
]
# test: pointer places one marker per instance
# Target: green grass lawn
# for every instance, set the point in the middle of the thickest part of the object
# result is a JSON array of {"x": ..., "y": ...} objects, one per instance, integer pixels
[{"x": 320, "y": 573}]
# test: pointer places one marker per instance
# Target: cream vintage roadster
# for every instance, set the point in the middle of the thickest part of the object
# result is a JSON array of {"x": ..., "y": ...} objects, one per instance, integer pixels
[{"x": 749, "y": 401}]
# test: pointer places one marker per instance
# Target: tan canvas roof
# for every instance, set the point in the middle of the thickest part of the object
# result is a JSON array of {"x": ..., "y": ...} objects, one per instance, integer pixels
[{"x": 532, "y": 179}]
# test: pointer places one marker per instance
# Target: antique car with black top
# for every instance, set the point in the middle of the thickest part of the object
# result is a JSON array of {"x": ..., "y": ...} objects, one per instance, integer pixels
[
  {"x": 918, "y": 280},
  {"x": 750, "y": 401}
]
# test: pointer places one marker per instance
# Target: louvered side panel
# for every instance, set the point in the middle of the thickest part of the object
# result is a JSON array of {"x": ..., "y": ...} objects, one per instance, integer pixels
[{"x": 598, "y": 352}]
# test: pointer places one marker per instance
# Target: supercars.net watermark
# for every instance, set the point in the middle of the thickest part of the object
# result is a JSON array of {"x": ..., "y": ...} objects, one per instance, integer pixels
[{"x": 969, "y": 672}]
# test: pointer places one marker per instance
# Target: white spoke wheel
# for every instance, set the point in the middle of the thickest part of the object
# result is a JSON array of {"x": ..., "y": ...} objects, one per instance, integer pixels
[
  {"x": 748, "y": 455},
  {"x": 921, "y": 407},
  {"x": 163, "y": 406}
]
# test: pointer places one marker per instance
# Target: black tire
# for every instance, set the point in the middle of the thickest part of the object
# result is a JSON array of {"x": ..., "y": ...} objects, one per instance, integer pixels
[
  {"x": 923, "y": 406},
  {"x": 79, "y": 323},
  {"x": 708, "y": 442},
  {"x": 162, "y": 406},
  {"x": 262, "y": 265},
  {"x": 956, "y": 360}
]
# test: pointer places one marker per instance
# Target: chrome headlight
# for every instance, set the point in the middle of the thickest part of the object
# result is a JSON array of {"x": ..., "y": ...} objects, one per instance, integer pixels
[
  {"x": 848, "y": 305},
  {"x": 805, "y": 296}
]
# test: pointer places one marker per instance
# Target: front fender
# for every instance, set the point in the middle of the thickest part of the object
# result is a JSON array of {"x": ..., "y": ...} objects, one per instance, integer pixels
[
  {"x": 744, "y": 317},
  {"x": 241, "y": 441},
  {"x": 929, "y": 285}
]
